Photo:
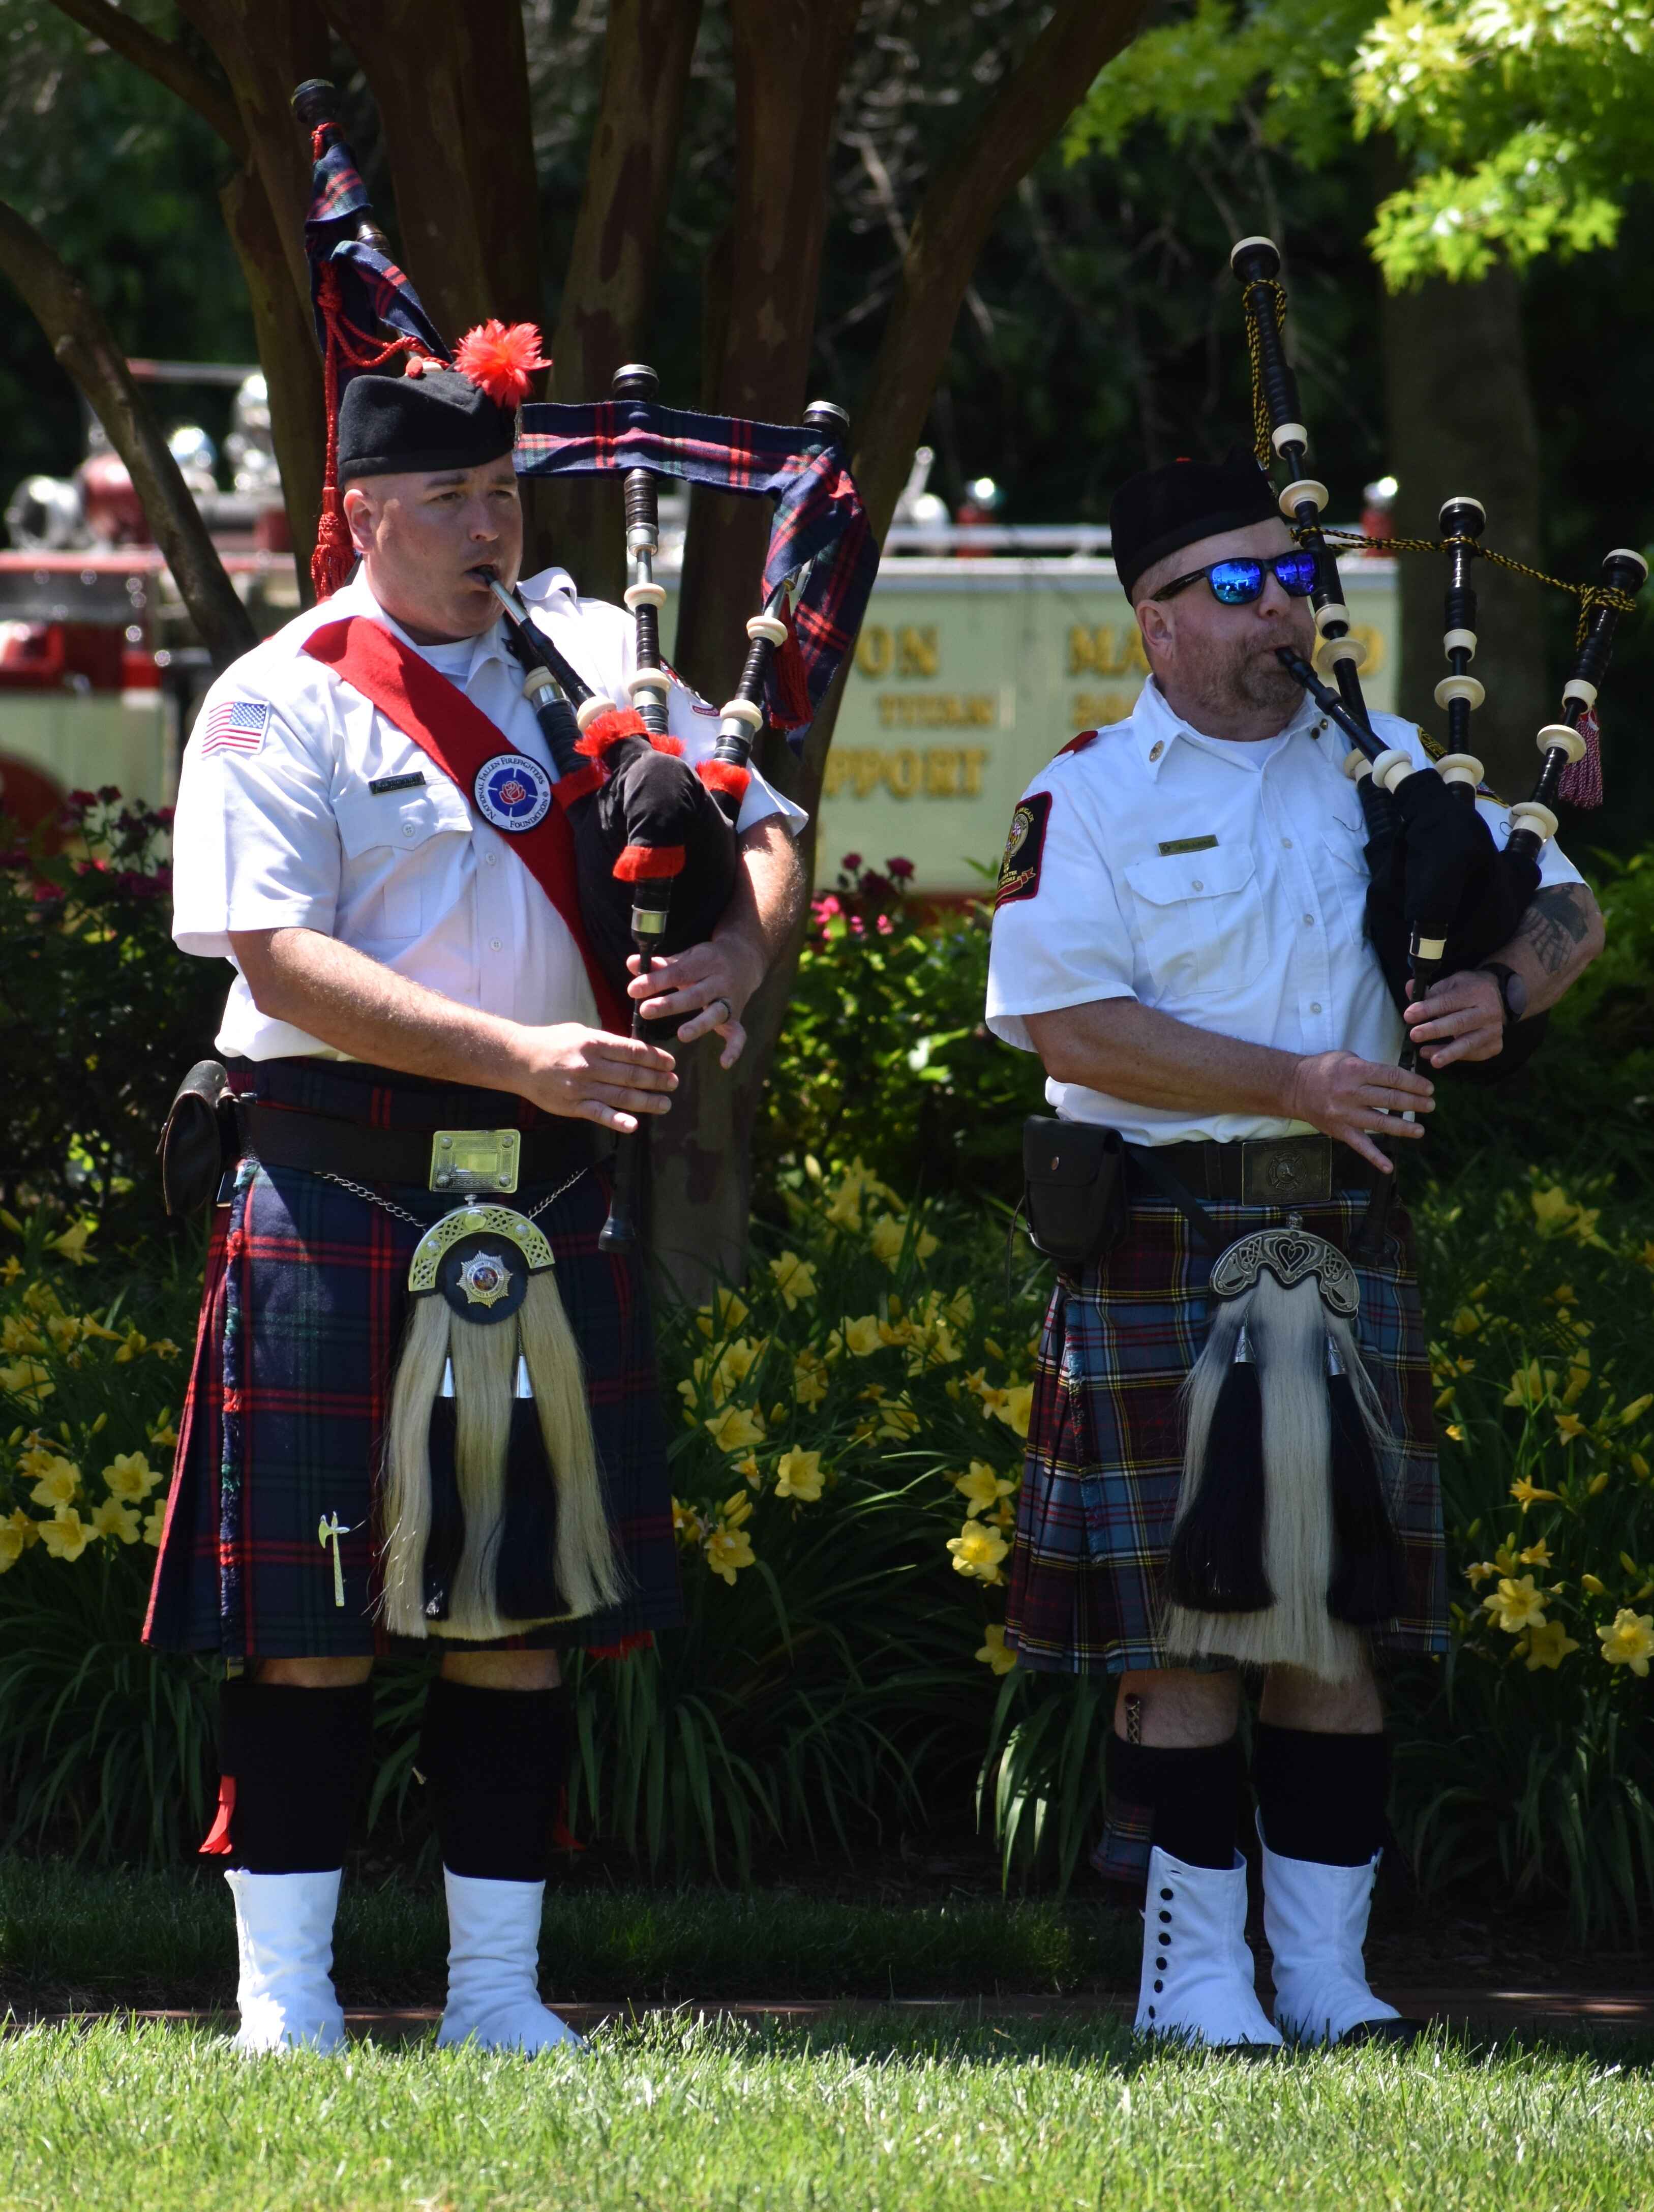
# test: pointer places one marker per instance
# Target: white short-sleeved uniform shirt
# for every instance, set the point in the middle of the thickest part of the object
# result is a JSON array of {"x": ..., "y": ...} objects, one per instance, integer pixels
[
  {"x": 1222, "y": 883},
  {"x": 301, "y": 805}
]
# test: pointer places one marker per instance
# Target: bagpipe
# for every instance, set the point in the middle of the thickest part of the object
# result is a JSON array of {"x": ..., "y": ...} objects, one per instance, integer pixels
[
  {"x": 491, "y": 1500},
  {"x": 1283, "y": 1548},
  {"x": 1443, "y": 895}
]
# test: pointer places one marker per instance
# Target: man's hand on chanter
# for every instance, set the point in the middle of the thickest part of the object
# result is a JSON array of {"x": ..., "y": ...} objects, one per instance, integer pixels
[
  {"x": 704, "y": 989},
  {"x": 591, "y": 1076},
  {"x": 1460, "y": 1018},
  {"x": 1354, "y": 1100}
]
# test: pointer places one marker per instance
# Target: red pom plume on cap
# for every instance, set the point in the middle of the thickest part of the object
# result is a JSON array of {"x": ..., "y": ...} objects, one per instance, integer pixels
[{"x": 499, "y": 358}]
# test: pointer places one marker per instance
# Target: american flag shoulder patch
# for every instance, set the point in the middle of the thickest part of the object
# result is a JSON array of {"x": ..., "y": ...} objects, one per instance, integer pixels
[{"x": 235, "y": 725}]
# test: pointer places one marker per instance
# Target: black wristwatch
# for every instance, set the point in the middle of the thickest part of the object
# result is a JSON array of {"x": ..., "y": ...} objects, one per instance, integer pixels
[{"x": 1512, "y": 991}]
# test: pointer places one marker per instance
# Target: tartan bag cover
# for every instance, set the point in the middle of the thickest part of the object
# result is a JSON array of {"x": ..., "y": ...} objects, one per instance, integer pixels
[
  {"x": 1105, "y": 1450},
  {"x": 303, "y": 1309},
  {"x": 820, "y": 525}
]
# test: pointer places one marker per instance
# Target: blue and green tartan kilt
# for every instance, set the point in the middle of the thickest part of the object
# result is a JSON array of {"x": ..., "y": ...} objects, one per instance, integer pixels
[
  {"x": 1105, "y": 1450},
  {"x": 302, "y": 1312}
]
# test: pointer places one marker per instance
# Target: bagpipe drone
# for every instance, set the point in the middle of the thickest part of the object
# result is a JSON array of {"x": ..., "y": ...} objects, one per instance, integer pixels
[
  {"x": 491, "y": 1508},
  {"x": 1283, "y": 1547}
]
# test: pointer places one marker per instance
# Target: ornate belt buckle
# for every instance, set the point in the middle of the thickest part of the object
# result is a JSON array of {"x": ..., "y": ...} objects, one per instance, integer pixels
[
  {"x": 1286, "y": 1171},
  {"x": 472, "y": 1161}
]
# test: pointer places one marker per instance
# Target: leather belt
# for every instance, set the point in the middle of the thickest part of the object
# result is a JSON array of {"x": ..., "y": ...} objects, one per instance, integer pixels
[
  {"x": 455, "y": 1162},
  {"x": 1266, "y": 1171}
]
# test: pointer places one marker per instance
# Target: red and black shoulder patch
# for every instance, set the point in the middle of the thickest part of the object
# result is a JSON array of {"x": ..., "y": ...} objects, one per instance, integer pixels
[
  {"x": 1025, "y": 850},
  {"x": 1077, "y": 745}
]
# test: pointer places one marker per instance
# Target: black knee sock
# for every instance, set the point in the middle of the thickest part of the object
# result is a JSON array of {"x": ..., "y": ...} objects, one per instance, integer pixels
[
  {"x": 298, "y": 1761},
  {"x": 1321, "y": 1797},
  {"x": 1191, "y": 1794},
  {"x": 495, "y": 1760}
]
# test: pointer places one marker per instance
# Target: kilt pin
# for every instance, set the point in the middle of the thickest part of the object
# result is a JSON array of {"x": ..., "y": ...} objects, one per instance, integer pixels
[{"x": 304, "y": 1305}]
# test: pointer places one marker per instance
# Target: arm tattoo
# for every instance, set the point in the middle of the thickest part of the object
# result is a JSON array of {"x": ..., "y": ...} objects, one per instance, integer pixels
[{"x": 1558, "y": 919}]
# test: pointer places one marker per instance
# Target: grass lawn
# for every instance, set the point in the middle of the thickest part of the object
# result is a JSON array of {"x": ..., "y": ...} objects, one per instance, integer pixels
[{"x": 683, "y": 2114}]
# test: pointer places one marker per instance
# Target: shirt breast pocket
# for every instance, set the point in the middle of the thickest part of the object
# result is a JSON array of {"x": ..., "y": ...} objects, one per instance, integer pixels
[
  {"x": 1346, "y": 867},
  {"x": 1201, "y": 921},
  {"x": 396, "y": 842}
]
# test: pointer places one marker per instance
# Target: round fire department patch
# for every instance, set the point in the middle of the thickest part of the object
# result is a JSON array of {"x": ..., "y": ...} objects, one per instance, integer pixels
[{"x": 512, "y": 791}]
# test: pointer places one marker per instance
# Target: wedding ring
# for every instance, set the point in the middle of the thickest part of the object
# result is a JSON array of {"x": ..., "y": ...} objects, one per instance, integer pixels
[{"x": 729, "y": 1014}]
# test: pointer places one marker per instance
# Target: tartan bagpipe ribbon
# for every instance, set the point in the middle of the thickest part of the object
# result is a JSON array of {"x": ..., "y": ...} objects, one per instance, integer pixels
[
  {"x": 820, "y": 527},
  {"x": 367, "y": 289}
]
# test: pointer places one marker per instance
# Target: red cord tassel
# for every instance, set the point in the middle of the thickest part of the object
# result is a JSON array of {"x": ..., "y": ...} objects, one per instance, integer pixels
[
  {"x": 791, "y": 682},
  {"x": 568, "y": 789},
  {"x": 1582, "y": 779}
]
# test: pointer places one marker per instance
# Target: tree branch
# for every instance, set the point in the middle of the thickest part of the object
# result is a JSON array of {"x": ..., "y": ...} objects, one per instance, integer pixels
[
  {"x": 958, "y": 210},
  {"x": 163, "y": 60},
  {"x": 81, "y": 341}
]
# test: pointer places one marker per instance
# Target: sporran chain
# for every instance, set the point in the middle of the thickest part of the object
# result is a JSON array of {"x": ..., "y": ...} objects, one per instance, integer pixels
[{"x": 401, "y": 1212}]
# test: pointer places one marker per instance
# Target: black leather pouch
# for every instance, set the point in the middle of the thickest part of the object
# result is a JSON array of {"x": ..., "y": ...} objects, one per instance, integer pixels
[
  {"x": 1073, "y": 1189},
  {"x": 199, "y": 1138}
]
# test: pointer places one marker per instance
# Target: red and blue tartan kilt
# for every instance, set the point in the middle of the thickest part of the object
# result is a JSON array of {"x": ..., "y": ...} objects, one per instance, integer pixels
[
  {"x": 302, "y": 1312},
  {"x": 1105, "y": 1451},
  {"x": 1105, "y": 1438}
]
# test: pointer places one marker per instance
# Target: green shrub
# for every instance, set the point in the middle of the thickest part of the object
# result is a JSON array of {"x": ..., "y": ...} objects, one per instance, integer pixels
[
  {"x": 99, "y": 1015},
  {"x": 886, "y": 1056}
]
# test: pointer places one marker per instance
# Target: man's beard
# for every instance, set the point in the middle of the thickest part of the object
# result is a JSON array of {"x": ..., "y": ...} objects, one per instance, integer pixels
[{"x": 1248, "y": 680}]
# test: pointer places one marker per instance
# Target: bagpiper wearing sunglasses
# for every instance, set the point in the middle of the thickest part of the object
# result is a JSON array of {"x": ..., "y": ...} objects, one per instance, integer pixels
[{"x": 1178, "y": 934}]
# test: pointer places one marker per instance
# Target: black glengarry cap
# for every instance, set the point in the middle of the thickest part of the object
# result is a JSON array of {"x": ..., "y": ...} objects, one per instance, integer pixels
[
  {"x": 418, "y": 423},
  {"x": 1164, "y": 509}
]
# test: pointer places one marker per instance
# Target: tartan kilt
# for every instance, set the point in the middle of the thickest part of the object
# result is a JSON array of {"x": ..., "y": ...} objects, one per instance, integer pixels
[
  {"x": 1105, "y": 1436},
  {"x": 302, "y": 1312}
]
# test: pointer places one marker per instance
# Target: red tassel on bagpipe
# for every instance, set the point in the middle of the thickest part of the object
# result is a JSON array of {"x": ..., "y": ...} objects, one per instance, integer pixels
[
  {"x": 568, "y": 789},
  {"x": 792, "y": 685},
  {"x": 605, "y": 730},
  {"x": 723, "y": 776},
  {"x": 649, "y": 864},
  {"x": 1582, "y": 779}
]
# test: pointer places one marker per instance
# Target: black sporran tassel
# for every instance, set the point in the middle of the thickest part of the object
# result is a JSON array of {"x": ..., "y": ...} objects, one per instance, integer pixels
[
  {"x": 1369, "y": 1577},
  {"x": 1216, "y": 1564},
  {"x": 523, "y": 1578}
]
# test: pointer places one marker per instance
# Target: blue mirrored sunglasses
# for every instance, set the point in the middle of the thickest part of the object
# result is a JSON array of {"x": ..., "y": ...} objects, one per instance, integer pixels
[{"x": 1236, "y": 583}]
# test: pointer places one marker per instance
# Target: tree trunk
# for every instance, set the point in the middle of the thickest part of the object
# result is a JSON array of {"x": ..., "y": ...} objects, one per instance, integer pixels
[
  {"x": 610, "y": 281},
  {"x": 81, "y": 341},
  {"x": 287, "y": 353},
  {"x": 790, "y": 59},
  {"x": 701, "y": 1192},
  {"x": 1460, "y": 416}
]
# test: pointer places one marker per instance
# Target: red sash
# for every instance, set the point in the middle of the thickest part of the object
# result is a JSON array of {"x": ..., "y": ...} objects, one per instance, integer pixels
[{"x": 421, "y": 703}]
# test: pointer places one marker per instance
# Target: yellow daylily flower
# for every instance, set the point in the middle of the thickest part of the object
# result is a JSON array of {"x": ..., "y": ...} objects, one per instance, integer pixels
[
  {"x": 1528, "y": 1385},
  {"x": 1478, "y": 1571},
  {"x": 28, "y": 1380},
  {"x": 1528, "y": 1494},
  {"x": 992, "y": 1650},
  {"x": 1628, "y": 1641},
  {"x": 982, "y": 1488},
  {"x": 1549, "y": 1645},
  {"x": 1455, "y": 1431},
  {"x": 751, "y": 1472},
  {"x": 798, "y": 1474},
  {"x": 727, "y": 1310},
  {"x": 729, "y": 1550},
  {"x": 687, "y": 1525},
  {"x": 155, "y": 1523},
  {"x": 72, "y": 1243},
  {"x": 735, "y": 1429},
  {"x": 10, "y": 1272},
  {"x": 1536, "y": 1555},
  {"x": 59, "y": 1483},
  {"x": 161, "y": 1433},
  {"x": 1516, "y": 1604},
  {"x": 66, "y": 1535},
  {"x": 1568, "y": 1426},
  {"x": 20, "y": 1335},
  {"x": 1015, "y": 1405},
  {"x": 130, "y": 1475},
  {"x": 861, "y": 1336},
  {"x": 1467, "y": 1321},
  {"x": 794, "y": 1278},
  {"x": 1553, "y": 1210},
  {"x": 1563, "y": 1295},
  {"x": 811, "y": 1378},
  {"x": 898, "y": 1419},
  {"x": 978, "y": 1551},
  {"x": 113, "y": 1519}
]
